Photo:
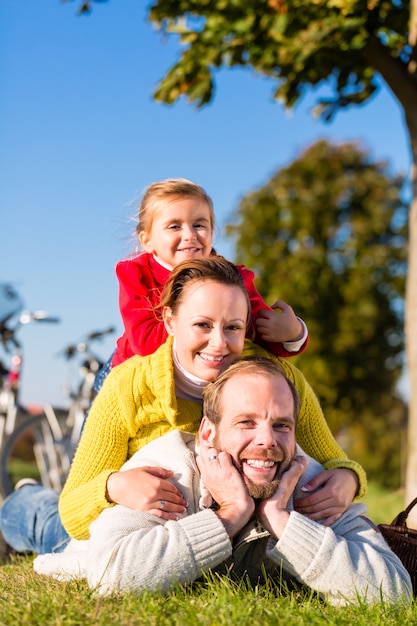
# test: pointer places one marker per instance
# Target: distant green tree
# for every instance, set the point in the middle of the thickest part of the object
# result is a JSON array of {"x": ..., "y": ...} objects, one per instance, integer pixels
[{"x": 328, "y": 235}]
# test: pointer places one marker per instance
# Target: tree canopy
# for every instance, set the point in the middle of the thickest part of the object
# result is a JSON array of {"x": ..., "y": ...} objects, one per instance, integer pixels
[
  {"x": 346, "y": 43},
  {"x": 298, "y": 43},
  {"x": 328, "y": 235}
]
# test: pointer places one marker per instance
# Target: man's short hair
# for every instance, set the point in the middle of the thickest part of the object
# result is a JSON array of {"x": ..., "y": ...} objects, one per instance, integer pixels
[{"x": 248, "y": 365}]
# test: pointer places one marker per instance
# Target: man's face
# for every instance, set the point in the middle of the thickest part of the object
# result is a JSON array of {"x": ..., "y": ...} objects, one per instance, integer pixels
[{"x": 257, "y": 428}]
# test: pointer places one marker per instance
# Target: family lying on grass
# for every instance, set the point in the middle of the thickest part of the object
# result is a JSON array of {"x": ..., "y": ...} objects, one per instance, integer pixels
[
  {"x": 147, "y": 506},
  {"x": 239, "y": 477}
]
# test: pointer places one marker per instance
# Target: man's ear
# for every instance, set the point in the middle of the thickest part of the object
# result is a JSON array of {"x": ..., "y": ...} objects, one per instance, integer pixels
[
  {"x": 168, "y": 320},
  {"x": 144, "y": 241},
  {"x": 207, "y": 431}
]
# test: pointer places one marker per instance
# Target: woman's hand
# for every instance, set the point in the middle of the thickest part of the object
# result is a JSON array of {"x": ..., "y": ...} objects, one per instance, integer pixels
[
  {"x": 147, "y": 489},
  {"x": 333, "y": 491}
]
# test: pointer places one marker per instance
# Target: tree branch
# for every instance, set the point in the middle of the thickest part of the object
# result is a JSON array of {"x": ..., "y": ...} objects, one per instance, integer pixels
[{"x": 402, "y": 83}]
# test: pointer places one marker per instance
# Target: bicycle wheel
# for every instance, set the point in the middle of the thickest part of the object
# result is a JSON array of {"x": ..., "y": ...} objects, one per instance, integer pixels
[{"x": 33, "y": 451}]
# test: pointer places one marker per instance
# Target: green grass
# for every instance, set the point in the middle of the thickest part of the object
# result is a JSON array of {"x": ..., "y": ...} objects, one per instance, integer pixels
[
  {"x": 383, "y": 505},
  {"x": 26, "y": 598}
]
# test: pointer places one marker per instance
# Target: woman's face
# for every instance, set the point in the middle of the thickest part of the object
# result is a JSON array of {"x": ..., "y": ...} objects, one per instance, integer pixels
[{"x": 209, "y": 327}]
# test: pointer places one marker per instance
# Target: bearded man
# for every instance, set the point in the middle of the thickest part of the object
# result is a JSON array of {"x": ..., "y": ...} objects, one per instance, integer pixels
[{"x": 239, "y": 480}]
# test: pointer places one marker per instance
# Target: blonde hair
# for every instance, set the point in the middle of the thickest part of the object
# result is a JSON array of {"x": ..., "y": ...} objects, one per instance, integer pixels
[
  {"x": 249, "y": 365},
  {"x": 169, "y": 190}
]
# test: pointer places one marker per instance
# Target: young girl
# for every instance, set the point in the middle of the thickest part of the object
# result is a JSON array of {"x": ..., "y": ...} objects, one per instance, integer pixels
[{"x": 176, "y": 223}]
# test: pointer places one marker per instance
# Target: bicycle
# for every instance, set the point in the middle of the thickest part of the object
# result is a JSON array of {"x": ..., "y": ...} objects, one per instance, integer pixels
[
  {"x": 12, "y": 413},
  {"x": 43, "y": 445},
  {"x": 85, "y": 393}
]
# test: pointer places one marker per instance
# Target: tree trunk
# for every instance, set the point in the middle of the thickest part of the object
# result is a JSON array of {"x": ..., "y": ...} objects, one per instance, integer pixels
[
  {"x": 403, "y": 83},
  {"x": 411, "y": 335}
]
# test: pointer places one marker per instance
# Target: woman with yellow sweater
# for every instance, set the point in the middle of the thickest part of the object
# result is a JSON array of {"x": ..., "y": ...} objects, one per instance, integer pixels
[{"x": 205, "y": 309}]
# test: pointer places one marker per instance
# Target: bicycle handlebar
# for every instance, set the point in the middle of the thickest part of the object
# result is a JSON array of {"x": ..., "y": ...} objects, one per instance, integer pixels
[
  {"x": 82, "y": 346},
  {"x": 8, "y": 334},
  {"x": 37, "y": 316},
  {"x": 100, "y": 333},
  {"x": 49, "y": 319}
]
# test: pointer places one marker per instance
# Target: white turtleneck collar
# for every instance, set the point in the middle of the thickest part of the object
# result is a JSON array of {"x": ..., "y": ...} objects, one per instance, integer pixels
[
  {"x": 187, "y": 386},
  {"x": 158, "y": 260}
]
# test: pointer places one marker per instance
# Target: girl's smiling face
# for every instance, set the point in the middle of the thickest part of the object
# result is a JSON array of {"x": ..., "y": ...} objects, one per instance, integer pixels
[
  {"x": 209, "y": 327},
  {"x": 180, "y": 230}
]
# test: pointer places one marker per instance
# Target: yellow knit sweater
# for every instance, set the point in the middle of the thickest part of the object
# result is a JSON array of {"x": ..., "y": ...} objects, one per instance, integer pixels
[{"x": 137, "y": 404}]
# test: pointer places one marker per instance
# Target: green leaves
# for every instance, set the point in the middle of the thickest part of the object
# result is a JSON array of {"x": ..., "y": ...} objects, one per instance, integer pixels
[{"x": 299, "y": 43}]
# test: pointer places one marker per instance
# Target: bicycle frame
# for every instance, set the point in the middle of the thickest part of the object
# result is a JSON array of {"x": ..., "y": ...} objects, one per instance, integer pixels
[
  {"x": 11, "y": 376},
  {"x": 48, "y": 440}
]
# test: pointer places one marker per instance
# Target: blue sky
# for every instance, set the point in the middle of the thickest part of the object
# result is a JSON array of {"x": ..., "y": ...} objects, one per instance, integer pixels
[{"x": 81, "y": 137}]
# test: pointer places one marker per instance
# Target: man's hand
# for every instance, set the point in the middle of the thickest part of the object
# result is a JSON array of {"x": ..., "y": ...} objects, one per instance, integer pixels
[
  {"x": 226, "y": 487},
  {"x": 272, "y": 513}
]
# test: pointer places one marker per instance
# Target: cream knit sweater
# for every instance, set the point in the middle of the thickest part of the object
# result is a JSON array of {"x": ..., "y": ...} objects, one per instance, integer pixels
[{"x": 134, "y": 551}]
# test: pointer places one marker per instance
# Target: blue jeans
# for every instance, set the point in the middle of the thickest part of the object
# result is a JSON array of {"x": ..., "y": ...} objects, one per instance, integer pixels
[
  {"x": 102, "y": 374},
  {"x": 30, "y": 522}
]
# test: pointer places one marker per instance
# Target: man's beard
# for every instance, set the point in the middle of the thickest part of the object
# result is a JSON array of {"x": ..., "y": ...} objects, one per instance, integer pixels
[
  {"x": 261, "y": 492},
  {"x": 266, "y": 490}
]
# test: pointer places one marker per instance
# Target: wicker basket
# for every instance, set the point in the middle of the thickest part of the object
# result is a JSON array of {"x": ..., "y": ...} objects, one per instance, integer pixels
[{"x": 403, "y": 541}]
